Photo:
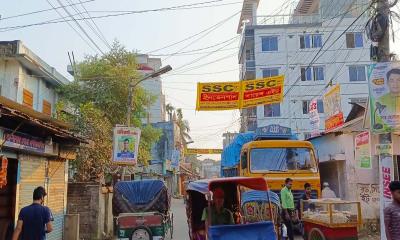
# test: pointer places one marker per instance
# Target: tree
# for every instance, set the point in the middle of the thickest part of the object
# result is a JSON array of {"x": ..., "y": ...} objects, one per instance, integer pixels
[
  {"x": 170, "y": 109},
  {"x": 184, "y": 128},
  {"x": 97, "y": 99}
]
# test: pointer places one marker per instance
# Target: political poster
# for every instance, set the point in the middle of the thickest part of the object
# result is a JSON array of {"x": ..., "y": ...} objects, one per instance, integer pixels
[
  {"x": 218, "y": 96},
  {"x": 384, "y": 87},
  {"x": 126, "y": 145},
  {"x": 363, "y": 150},
  {"x": 332, "y": 107},
  {"x": 314, "y": 118},
  {"x": 262, "y": 91}
]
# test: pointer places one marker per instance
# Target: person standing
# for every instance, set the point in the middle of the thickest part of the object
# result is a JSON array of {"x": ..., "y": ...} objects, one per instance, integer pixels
[
  {"x": 34, "y": 221},
  {"x": 392, "y": 213},
  {"x": 306, "y": 196},
  {"x": 288, "y": 210},
  {"x": 327, "y": 192}
]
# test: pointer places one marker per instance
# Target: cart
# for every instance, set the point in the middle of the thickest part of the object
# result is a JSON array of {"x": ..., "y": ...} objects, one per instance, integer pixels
[
  {"x": 331, "y": 219},
  {"x": 142, "y": 210}
]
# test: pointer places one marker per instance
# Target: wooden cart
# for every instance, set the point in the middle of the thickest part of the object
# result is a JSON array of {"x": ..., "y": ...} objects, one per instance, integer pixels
[{"x": 331, "y": 219}]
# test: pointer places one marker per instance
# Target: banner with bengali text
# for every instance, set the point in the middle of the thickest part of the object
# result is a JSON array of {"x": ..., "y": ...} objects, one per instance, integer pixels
[
  {"x": 218, "y": 96},
  {"x": 333, "y": 111},
  {"x": 262, "y": 91}
]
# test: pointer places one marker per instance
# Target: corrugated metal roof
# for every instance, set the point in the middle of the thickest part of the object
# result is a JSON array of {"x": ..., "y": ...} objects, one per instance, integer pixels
[
  {"x": 307, "y": 7},
  {"x": 247, "y": 13}
]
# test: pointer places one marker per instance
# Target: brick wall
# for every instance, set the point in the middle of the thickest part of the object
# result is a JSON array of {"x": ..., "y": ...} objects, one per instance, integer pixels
[{"x": 85, "y": 199}]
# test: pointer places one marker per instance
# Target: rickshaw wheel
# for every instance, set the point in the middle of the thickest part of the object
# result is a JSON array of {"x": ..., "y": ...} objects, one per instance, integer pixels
[
  {"x": 141, "y": 233},
  {"x": 171, "y": 229},
  {"x": 316, "y": 234}
]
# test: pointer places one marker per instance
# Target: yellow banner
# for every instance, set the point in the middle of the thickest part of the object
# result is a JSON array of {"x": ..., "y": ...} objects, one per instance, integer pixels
[
  {"x": 262, "y": 91},
  {"x": 218, "y": 96},
  {"x": 332, "y": 108},
  {"x": 194, "y": 151},
  {"x": 237, "y": 95}
]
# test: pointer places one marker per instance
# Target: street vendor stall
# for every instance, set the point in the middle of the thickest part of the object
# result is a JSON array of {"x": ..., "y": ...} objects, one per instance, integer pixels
[{"x": 330, "y": 219}]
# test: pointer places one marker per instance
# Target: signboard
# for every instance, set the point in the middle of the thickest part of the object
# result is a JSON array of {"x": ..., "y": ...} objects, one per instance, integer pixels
[
  {"x": 332, "y": 107},
  {"x": 386, "y": 175},
  {"x": 236, "y": 95},
  {"x": 23, "y": 141},
  {"x": 176, "y": 156},
  {"x": 195, "y": 151},
  {"x": 274, "y": 130},
  {"x": 126, "y": 145},
  {"x": 314, "y": 118},
  {"x": 384, "y": 87},
  {"x": 262, "y": 91},
  {"x": 218, "y": 96},
  {"x": 363, "y": 151}
]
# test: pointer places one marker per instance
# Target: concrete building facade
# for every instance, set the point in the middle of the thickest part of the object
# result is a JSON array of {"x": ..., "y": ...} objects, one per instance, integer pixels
[{"x": 321, "y": 42}]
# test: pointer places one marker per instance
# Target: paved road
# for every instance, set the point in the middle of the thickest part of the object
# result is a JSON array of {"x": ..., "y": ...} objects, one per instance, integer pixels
[{"x": 181, "y": 231}]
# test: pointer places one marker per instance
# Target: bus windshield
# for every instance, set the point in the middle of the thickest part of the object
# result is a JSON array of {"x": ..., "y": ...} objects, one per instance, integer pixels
[{"x": 281, "y": 159}]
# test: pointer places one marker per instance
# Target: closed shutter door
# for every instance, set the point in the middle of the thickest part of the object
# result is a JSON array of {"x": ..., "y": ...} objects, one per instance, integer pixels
[
  {"x": 32, "y": 175},
  {"x": 56, "y": 194}
]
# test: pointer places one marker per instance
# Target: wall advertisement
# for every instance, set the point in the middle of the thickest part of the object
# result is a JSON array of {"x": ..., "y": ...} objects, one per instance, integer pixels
[
  {"x": 363, "y": 150},
  {"x": 314, "y": 118},
  {"x": 126, "y": 145},
  {"x": 384, "y": 87}
]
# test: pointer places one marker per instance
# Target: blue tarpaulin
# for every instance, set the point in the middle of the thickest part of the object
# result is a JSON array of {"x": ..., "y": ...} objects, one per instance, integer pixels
[
  {"x": 231, "y": 155},
  {"x": 260, "y": 196},
  {"x": 200, "y": 186},
  {"x": 141, "y": 191},
  {"x": 256, "y": 231}
]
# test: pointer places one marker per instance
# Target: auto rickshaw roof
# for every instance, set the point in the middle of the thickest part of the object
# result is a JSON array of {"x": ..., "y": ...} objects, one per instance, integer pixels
[{"x": 205, "y": 185}]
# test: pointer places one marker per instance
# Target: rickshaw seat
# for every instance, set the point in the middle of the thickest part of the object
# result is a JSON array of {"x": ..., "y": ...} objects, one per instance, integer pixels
[{"x": 260, "y": 231}]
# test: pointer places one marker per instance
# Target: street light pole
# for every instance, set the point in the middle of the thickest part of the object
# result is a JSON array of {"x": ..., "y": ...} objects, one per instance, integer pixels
[
  {"x": 131, "y": 88},
  {"x": 133, "y": 85}
]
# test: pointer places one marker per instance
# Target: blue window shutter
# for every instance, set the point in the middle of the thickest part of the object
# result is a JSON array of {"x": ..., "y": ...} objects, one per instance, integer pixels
[
  {"x": 320, "y": 106},
  {"x": 308, "y": 41},
  {"x": 274, "y": 72},
  {"x": 353, "y": 73},
  {"x": 274, "y": 45},
  {"x": 358, "y": 40},
  {"x": 308, "y": 74},
  {"x": 264, "y": 44},
  {"x": 361, "y": 73}
]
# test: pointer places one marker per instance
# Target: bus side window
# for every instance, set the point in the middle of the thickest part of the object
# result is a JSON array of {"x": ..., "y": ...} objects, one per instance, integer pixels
[{"x": 243, "y": 160}]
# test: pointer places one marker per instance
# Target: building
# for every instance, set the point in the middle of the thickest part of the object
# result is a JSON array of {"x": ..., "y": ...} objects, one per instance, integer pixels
[
  {"x": 210, "y": 169},
  {"x": 228, "y": 138},
  {"x": 317, "y": 44},
  {"x": 156, "y": 112},
  {"x": 36, "y": 144}
]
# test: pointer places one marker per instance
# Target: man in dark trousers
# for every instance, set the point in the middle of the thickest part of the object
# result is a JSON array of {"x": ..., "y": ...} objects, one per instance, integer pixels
[
  {"x": 288, "y": 208},
  {"x": 34, "y": 221}
]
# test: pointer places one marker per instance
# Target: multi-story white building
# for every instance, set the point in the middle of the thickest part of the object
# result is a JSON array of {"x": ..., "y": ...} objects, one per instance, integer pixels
[
  {"x": 147, "y": 65},
  {"x": 320, "y": 42}
]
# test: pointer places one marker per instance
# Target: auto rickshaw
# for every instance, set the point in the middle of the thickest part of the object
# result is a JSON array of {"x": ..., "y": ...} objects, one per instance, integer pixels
[
  {"x": 200, "y": 197},
  {"x": 142, "y": 210}
]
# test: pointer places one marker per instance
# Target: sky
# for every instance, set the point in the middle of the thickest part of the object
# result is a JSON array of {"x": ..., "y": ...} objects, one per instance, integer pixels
[{"x": 145, "y": 32}]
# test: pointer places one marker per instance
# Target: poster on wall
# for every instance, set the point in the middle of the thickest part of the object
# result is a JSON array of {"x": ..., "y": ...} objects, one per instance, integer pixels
[
  {"x": 314, "y": 118},
  {"x": 363, "y": 151},
  {"x": 333, "y": 110},
  {"x": 218, "y": 96},
  {"x": 386, "y": 175},
  {"x": 262, "y": 91},
  {"x": 384, "y": 88},
  {"x": 126, "y": 145}
]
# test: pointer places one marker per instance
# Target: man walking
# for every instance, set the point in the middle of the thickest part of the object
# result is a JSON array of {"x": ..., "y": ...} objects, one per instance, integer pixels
[
  {"x": 34, "y": 221},
  {"x": 392, "y": 213},
  {"x": 288, "y": 207}
]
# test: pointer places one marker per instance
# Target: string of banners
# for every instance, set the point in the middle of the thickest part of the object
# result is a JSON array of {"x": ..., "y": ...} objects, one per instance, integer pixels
[{"x": 215, "y": 96}]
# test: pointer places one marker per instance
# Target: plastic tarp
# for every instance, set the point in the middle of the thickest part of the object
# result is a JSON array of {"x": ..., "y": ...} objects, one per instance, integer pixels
[
  {"x": 260, "y": 196},
  {"x": 200, "y": 186},
  {"x": 139, "y": 192},
  {"x": 231, "y": 155},
  {"x": 140, "y": 196},
  {"x": 256, "y": 231}
]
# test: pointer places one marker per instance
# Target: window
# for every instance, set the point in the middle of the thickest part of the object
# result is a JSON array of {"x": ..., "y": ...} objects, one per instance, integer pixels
[
  {"x": 46, "y": 107},
  {"x": 312, "y": 73},
  {"x": 272, "y": 110},
  {"x": 354, "y": 40},
  {"x": 27, "y": 98},
  {"x": 270, "y": 72},
  {"x": 357, "y": 73},
  {"x": 269, "y": 44},
  {"x": 306, "y": 106},
  {"x": 310, "y": 41}
]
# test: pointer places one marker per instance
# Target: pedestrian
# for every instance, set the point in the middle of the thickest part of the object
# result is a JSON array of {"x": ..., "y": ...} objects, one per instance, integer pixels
[
  {"x": 392, "y": 213},
  {"x": 34, "y": 221},
  {"x": 306, "y": 196},
  {"x": 288, "y": 210},
  {"x": 327, "y": 192}
]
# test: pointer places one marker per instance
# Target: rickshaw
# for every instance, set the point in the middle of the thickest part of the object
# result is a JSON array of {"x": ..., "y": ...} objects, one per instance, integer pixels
[
  {"x": 256, "y": 207},
  {"x": 200, "y": 196},
  {"x": 142, "y": 210}
]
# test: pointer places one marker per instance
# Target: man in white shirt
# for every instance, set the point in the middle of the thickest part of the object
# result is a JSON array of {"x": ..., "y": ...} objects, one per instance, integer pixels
[{"x": 327, "y": 192}]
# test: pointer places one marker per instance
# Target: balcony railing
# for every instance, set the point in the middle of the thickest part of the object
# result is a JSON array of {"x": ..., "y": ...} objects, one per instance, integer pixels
[{"x": 288, "y": 19}]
